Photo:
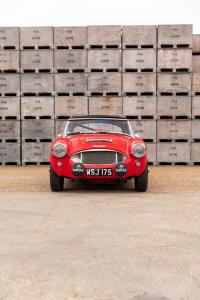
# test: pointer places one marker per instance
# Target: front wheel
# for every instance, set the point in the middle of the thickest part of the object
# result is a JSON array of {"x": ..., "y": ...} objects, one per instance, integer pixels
[
  {"x": 141, "y": 182},
  {"x": 56, "y": 182}
]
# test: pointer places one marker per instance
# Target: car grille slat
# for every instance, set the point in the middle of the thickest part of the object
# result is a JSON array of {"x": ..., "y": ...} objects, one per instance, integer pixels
[{"x": 101, "y": 157}]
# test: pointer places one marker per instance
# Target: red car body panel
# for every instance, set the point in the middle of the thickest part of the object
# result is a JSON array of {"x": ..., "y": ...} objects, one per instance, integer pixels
[{"x": 80, "y": 142}]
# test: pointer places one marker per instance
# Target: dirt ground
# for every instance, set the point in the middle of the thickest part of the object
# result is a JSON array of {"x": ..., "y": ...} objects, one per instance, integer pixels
[
  {"x": 100, "y": 242},
  {"x": 161, "y": 179}
]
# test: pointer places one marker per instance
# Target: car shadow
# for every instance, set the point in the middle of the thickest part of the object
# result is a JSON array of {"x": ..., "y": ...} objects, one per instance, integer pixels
[{"x": 99, "y": 187}]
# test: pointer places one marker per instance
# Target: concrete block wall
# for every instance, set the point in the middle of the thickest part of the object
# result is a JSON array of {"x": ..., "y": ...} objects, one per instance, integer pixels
[{"x": 150, "y": 74}]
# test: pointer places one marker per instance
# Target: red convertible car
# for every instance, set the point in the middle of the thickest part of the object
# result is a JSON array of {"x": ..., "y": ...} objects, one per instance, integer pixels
[{"x": 98, "y": 149}]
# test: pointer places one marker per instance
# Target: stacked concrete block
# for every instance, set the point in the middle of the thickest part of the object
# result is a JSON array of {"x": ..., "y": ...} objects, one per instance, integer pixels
[
  {"x": 9, "y": 96},
  {"x": 174, "y": 94},
  {"x": 195, "y": 134},
  {"x": 139, "y": 82},
  {"x": 104, "y": 70},
  {"x": 37, "y": 93},
  {"x": 74, "y": 37},
  {"x": 70, "y": 61},
  {"x": 70, "y": 68}
]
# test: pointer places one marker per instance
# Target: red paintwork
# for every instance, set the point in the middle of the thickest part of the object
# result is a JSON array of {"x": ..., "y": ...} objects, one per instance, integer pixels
[{"x": 77, "y": 143}]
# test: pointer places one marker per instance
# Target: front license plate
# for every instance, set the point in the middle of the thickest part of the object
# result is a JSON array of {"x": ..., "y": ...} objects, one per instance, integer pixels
[{"x": 99, "y": 172}]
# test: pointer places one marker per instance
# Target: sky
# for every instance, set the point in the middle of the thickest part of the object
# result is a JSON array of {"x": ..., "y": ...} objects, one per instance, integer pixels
[{"x": 99, "y": 12}]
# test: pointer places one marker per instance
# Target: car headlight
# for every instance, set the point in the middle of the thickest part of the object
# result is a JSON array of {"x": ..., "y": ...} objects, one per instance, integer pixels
[
  {"x": 138, "y": 150},
  {"x": 59, "y": 150}
]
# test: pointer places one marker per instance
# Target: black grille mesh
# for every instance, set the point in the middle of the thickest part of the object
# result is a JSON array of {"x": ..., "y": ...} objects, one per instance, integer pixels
[{"x": 101, "y": 157}]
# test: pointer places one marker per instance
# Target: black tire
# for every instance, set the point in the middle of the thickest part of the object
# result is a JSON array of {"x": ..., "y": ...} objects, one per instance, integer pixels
[
  {"x": 56, "y": 182},
  {"x": 141, "y": 182}
]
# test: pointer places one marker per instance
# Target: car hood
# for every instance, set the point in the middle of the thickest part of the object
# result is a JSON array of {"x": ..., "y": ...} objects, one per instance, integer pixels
[{"x": 116, "y": 142}]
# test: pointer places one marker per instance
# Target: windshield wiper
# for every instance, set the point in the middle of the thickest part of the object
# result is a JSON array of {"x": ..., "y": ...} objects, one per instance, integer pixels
[
  {"x": 78, "y": 132},
  {"x": 123, "y": 133},
  {"x": 87, "y": 127}
]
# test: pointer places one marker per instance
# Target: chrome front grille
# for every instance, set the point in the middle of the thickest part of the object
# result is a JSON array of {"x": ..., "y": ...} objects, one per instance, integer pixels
[{"x": 102, "y": 157}]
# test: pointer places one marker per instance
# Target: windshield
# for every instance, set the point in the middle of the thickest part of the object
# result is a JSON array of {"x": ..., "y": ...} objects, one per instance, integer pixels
[{"x": 92, "y": 126}]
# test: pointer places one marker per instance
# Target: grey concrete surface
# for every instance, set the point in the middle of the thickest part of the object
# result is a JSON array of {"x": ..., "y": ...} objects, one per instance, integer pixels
[{"x": 103, "y": 243}]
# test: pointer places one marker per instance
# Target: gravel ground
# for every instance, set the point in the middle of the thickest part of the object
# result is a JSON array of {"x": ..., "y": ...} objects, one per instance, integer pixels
[{"x": 100, "y": 242}]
